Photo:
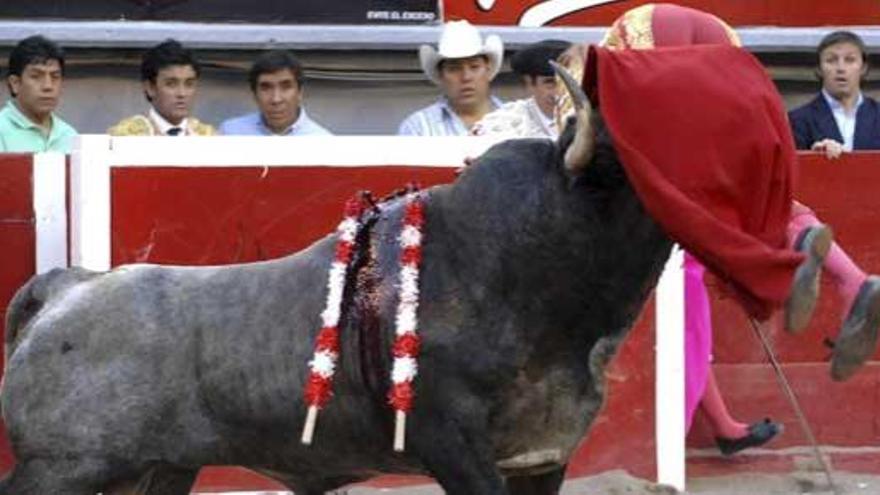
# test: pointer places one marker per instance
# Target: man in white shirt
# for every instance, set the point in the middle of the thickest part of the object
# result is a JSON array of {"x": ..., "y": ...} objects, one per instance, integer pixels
[
  {"x": 276, "y": 81},
  {"x": 170, "y": 76},
  {"x": 463, "y": 66},
  {"x": 532, "y": 116}
]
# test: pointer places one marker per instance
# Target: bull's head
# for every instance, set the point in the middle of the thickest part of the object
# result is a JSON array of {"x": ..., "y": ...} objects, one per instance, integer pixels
[{"x": 579, "y": 153}]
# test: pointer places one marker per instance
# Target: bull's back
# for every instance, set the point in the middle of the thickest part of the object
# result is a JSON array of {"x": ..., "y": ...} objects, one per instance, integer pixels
[{"x": 169, "y": 349}]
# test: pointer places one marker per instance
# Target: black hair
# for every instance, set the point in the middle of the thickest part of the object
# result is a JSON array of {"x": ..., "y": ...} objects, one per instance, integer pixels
[
  {"x": 837, "y": 37},
  {"x": 274, "y": 61},
  {"x": 33, "y": 50},
  {"x": 534, "y": 60},
  {"x": 443, "y": 61},
  {"x": 169, "y": 52}
]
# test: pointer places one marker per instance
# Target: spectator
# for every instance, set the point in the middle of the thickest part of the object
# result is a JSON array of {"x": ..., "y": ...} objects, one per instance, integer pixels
[
  {"x": 532, "y": 116},
  {"x": 463, "y": 66},
  {"x": 840, "y": 118},
  {"x": 276, "y": 80},
  {"x": 28, "y": 122},
  {"x": 170, "y": 75}
]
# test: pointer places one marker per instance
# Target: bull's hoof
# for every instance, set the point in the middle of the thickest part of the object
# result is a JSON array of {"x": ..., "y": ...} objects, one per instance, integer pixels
[
  {"x": 814, "y": 242},
  {"x": 857, "y": 339},
  {"x": 530, "y": 460}
]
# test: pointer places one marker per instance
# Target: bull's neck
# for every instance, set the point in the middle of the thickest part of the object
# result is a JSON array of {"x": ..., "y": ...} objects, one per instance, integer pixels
[{"x": 556, "y": 258}]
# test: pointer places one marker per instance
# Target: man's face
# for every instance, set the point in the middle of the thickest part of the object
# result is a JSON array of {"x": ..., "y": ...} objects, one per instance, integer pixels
[
  {"x": 173, "y": 92},
  {"x": 38, "y": 89},
  {"x": 543, "y": 89},
  {"x": 842, "y": 68},
  {"x": 466, "y": 80},
  {"x": 278, "y": 97}
]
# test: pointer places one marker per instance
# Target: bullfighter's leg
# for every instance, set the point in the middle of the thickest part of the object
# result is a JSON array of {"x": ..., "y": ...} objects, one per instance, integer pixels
[
  {"x": 548, "y": 483},
  {"x": 858, "y": 335},
  {"x": 41, "y": 476}
]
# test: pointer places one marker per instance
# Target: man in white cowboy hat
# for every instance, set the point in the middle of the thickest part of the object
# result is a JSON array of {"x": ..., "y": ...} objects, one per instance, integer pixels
[
  {"x": 463, "y": 66},
  {"x": 532, "y": 116}
]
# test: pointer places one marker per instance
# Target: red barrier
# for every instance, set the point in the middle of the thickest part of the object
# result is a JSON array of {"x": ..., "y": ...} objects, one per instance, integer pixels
[
  {"x": 841, "y": 192},
  {"x": 238, "y": 214},
  {"x": 17, "y": 243}
]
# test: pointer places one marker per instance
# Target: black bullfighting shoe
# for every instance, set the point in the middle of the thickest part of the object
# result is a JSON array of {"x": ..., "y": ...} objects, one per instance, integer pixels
[
  {"x": 814, "y": 242},
  {"x": 857, "y": 339},
  {"x": 758, "y": 434}
]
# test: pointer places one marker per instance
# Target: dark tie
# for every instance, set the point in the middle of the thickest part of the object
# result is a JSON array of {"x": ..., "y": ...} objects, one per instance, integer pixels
[{"x": 174, "y": 131}]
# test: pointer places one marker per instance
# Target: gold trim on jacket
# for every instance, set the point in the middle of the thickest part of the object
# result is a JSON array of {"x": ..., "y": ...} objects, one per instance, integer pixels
[{"x": 141, "y": 125}]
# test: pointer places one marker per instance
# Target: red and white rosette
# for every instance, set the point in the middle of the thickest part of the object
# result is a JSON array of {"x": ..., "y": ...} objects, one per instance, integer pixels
[
  {"x": 318, "y": 388},
  {"x": 407, "y": 342}
]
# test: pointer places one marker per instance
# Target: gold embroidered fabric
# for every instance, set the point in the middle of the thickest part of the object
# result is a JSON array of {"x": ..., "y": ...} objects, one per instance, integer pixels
[
  {"x": 137, "y": 125},
  {"x": 633, "y": 30},
  {"x": 141, "y": 125}
]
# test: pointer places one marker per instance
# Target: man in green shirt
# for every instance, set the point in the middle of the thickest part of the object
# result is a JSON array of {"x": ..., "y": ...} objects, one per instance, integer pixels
[{"x": 27, "y": 121}]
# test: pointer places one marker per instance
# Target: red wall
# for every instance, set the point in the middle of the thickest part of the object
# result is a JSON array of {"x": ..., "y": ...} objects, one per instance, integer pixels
[
  {"x": 16, "y": 242},
  {"x": 808, "y": 13},
  {"x": 843, "y": 194},
  {"x": 235, "y": 214}
]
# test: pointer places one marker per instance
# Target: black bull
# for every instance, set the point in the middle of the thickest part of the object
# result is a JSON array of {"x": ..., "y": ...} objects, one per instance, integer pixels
[{"x": 136, "y": 377}]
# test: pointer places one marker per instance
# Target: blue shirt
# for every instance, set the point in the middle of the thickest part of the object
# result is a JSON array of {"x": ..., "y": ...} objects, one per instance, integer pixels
[
  {"x": 19, "y": 135},
  {"x": 437, "y": 119},
  {"x": 252, "y": 125}
]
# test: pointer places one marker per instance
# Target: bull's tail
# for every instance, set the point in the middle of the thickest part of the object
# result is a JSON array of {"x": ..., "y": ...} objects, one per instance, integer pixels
[{"x": 31, "y": 297}]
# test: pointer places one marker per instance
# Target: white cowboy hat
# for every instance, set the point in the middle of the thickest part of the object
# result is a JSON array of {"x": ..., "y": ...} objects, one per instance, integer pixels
[{"x": 461, "y": 40}]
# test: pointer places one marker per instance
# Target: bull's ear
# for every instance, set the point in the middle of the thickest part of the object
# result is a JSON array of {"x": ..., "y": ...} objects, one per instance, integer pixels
[{"x": 579, "y": 153}]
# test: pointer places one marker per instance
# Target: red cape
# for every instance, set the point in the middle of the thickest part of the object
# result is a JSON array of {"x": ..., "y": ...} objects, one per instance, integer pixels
[{"x": 705, "y": 142}]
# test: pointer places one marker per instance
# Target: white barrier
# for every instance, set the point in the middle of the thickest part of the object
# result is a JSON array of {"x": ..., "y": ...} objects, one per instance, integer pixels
[
  {"x": 50, "y": 211},
  {"x": 669, "y": 384}
]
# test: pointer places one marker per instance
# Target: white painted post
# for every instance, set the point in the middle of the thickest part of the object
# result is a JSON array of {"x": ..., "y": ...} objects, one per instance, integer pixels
[
  {"x": 90, "y": 202},
  {"x": 50, "y": 211},
  {"x": 670, "y": 362}
]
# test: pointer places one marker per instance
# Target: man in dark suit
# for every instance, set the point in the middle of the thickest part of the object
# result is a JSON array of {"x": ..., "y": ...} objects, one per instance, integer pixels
[{"x": 840, "y": 118}]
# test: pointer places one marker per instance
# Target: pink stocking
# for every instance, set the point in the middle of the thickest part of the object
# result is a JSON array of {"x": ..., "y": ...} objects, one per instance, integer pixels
[
  {"x": 846, "y": 276},
  {"x": 713, "y": 405}
]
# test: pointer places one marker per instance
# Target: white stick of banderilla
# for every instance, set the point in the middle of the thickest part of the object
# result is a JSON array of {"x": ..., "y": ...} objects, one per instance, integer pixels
[
  {"x": 399, "y": 431},
  {"x": 309, "y": 427}
]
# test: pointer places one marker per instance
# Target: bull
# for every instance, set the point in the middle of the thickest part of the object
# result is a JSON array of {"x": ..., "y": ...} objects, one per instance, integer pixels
[{"x": 536, "y": 262}]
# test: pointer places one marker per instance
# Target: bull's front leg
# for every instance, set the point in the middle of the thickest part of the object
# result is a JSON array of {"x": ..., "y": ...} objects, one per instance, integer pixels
[
  {"x": 454, "y": 446},
  {"x": 538, "y": 484}
]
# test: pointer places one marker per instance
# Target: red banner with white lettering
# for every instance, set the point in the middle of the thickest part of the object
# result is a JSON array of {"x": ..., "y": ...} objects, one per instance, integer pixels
[{"x": 790, "y": 13}]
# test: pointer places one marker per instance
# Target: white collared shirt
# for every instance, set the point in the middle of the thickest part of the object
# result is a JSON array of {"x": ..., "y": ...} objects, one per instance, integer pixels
[
  {"x": 438, "y": 119},
  {"x": 253, "y": 124},
  {"x": 162, "y": 125},
  {"x": 846, "y": 122},
  {"x": 517, "y": 119}
]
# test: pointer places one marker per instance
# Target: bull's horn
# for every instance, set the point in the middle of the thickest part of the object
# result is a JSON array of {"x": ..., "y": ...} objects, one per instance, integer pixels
[{"x": 579, "y": 153}]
